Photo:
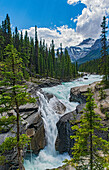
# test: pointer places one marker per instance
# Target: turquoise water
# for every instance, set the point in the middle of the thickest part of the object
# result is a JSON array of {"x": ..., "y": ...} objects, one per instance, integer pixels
[{"x": 48, "y": 157}]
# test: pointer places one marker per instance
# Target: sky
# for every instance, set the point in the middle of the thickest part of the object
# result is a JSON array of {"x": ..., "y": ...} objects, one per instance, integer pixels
[{"x": 65, "y": 21}]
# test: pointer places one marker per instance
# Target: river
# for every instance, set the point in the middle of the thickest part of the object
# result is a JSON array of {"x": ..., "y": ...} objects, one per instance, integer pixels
[{"x": 48, "y": 157}]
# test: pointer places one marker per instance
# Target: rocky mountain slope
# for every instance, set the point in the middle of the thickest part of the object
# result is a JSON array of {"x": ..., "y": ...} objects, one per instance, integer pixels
[
  {"x": 87, "y": 50},
  {"x": 81, "y": 50}
]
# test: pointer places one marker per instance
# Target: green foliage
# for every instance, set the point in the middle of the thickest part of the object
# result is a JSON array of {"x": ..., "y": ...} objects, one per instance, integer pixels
[
  {"x": 11, "y": 142},
  {"x": 89, "y": 150},
  {"x": 3, "y": 160},
  {"x": 5, "y": 123},
  {"x": 36, "y": 58},
  {"x": 102, "y": 94},
  {"x": 104, "y": 65},
  {"x": 90, "y": 66},
  {"x": 107, "y": 115},
  {"x": 14, "y": 94}
]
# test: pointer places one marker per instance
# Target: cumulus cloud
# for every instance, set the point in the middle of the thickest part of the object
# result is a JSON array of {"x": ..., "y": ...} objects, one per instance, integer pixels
[
  {"x": 88, "y": 23},
  {"x": 66, "y": 36}
]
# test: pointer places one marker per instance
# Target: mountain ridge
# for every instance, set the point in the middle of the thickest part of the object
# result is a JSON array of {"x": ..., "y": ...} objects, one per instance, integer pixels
[{"x": 87, "y": 50}]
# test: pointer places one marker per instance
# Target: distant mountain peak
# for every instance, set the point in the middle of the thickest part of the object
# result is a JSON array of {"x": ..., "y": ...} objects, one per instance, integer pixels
[
  {"x": 86, "y": 41},
  {"x": 83, "y": 49}
]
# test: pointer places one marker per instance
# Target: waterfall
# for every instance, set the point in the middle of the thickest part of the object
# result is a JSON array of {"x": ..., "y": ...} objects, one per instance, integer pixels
[
  {"x": 50, "y": 119},
  {"x": 48, "y": 158}
]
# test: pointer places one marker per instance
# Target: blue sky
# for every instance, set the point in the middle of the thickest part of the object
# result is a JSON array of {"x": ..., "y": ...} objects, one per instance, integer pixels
[
  {"x": 66, "y": 21},
  {"x": 43, "y": 13}
]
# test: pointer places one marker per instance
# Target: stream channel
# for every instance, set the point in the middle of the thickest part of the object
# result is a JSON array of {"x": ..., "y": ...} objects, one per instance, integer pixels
[{"x": 48, "y": 157}]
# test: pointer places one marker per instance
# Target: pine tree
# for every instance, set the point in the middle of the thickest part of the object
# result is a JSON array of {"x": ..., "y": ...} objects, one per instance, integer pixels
[
  {"x": 13, "y": 94},
  {"x": 31, "y": 62},
  {"x": 53, "y": 53},
  {"x": 1, "y": 44},
  {"x": 46, "y": 60},
  {"x": 36, "y": 50},
  {"x": 68, "y": 65},
  {"x": 16, "y": 39},
  {"x": 104, "y": 59},
  {"x": 6, "y": 28},
  {"x": 89, "y": 150}
]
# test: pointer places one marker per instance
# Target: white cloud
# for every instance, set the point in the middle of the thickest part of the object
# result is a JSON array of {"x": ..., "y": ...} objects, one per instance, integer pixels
[
  {"x": 88, "y": 23},
  {"x": 70, "y": 2},
  {"x": 66, "y": 36}
]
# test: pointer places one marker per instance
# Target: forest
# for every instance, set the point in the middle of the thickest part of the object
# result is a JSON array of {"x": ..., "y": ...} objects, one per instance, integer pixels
[{"x": 39, "y": 60}]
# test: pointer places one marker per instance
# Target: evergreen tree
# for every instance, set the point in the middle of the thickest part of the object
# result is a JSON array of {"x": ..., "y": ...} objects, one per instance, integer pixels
[
  {"x": 13, "y": 95},
  {"x": 61, "y": 53},
  {"x": 26, "y": 48},
  {"x": 6, "y": 28},
  {"x": 104, "y": 59},
  {"x": 50, "y": 64},
  {"x": 21, "y": 41},
  {"x": 89, "y": 151},
  {"x": 16, "y": 39},
  {"x": 46, "y": 60},
  {"x": 31, "y": 62},
  {"x": 68, "y": 65},
  {"x": 36, "y": 50},
  {"x": 53, "y": 53},
  {"x": 1, "y": 44}
]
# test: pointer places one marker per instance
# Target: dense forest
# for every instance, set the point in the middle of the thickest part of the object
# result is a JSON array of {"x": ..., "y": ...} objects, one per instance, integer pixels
[
  {"x": 90, "y": 66},
  {"x": 38, "y": 59}
]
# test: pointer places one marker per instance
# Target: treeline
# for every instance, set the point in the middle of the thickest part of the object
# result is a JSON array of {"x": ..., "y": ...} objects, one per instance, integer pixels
[
  {"x": 93, "y": 66},
  {"x": 90, "y": 66},
  {"x": 38, "y": 58}
]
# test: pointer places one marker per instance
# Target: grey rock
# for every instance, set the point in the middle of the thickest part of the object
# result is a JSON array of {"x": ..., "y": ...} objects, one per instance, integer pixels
[
  {"x": 57, "y": 106},
  {"x": 79, "y": 108},
  {"x": 63, "y": 141},
  {"x": 78, "y": 94}
]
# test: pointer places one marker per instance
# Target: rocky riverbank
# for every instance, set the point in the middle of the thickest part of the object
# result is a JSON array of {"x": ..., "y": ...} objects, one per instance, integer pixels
[
  {"x": 32, "y": 124},
  {"x": 32, "y": 121},
  {"x": 78, "y": 94},
  {"x": 46, "y": 82}
]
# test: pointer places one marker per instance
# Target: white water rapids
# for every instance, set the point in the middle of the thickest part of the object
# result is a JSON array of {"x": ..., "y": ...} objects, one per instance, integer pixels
[{"x": 48, "y": 157}]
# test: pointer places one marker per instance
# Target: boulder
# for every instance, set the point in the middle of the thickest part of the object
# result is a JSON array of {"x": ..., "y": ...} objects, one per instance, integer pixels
[
  {"x": 57, "y": 106},
  {"x": 63, "y": 141},
  {"x": 28, "y": 107},
  {"x": 78, "y": 94},
  {"x": 38, "y": 139},
  {"x": 36, "y": 131}
]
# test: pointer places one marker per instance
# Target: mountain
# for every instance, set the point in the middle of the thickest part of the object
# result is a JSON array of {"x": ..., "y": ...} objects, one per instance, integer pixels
[
  {"x": 81, "y": 50},
  {"x": 94, "y": 53},
  {"x": 87, "y": 50}
]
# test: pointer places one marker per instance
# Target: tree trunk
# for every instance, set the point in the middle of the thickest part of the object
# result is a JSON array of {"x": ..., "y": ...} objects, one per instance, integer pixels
[
  {"x": 91, "y": 149},
  {"x": 17, "y": 111},
  {"x": 91, "y": 155}
]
